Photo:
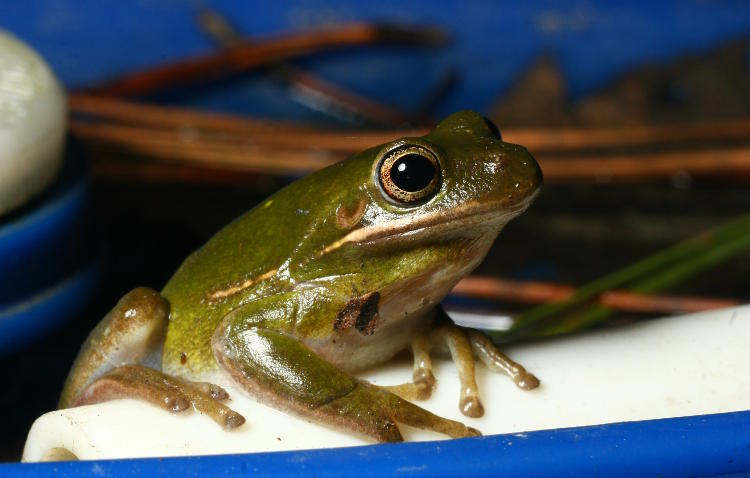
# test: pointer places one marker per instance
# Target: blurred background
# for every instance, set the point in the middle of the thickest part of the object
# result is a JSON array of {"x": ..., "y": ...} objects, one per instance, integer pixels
[{"x": 184, "y": 114}]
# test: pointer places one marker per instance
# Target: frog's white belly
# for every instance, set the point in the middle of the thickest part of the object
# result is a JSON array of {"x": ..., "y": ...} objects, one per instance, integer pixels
[{"x": 406, "y": 309}]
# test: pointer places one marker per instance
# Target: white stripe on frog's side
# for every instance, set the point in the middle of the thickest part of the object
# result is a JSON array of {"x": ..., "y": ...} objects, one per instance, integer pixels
[{"x": 222, "y": 293}]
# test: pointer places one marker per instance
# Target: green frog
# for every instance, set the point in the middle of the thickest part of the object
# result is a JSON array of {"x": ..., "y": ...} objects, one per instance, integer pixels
[{"x": 335, "y": 273}]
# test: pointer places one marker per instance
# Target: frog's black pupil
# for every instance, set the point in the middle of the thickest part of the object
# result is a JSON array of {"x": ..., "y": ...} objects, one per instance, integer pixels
[
  {"x": 412, "y": 172},
  {"x": 493, "y": 128}
]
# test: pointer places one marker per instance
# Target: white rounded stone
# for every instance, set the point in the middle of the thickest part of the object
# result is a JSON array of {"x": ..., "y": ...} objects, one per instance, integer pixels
[{"x": 33, "y": 112}]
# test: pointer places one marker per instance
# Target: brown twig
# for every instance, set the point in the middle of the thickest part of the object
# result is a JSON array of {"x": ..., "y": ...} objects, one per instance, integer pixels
[
  {"x": 311, "y": 90},
  {"x": 116, "y": 110},
  {"x": 540, "y": 292},
  {"x": 184, "y": 147},
  {"x": 299, "y": 140},
  {"x": 165, "y": 172},
  {"x": 579, "y": 139},
  {"x": 242, "y": 57},
  {"x": 614, "y": 167},
  {"x": 299, "y": 152},
  {"x": 220, "y": 141},
  {"x": 537, "y": 140}
]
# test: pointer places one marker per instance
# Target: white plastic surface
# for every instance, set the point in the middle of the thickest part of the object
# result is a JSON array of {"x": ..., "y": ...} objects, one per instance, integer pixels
[
  {"x": 33, "y": 113},
  {"x": 678, "y": 366}
]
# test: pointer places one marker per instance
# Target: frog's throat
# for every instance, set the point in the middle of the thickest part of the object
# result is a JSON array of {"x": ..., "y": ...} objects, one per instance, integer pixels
[{"x": 456, "y": 218}]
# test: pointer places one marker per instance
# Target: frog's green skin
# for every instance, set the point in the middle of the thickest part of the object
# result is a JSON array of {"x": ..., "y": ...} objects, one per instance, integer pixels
[{"x": 332, "y": 266}]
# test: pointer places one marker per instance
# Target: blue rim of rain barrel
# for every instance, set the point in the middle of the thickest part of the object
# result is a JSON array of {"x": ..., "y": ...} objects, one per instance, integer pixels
[
  {"x": 38, "y": 315},
  {"x": 48, "y": 271},
  {"x": 703, "y": 445},
  {"x": 44, "y": 241}
]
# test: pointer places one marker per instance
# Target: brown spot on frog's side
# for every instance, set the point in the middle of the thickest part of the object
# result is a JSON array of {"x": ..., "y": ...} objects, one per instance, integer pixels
[
  {"x": 348, "y": 216},
  {"x": 360, "y": 312}
]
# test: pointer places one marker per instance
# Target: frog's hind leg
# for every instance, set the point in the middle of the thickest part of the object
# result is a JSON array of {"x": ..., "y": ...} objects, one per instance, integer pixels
[
  {"x": 162, "y": 390},
  {"x": 375, "y": 411},
  {"x": 288, "y": 375},
  {"x": 112, "y": 363},
  {"x": 132, "y": 332}
]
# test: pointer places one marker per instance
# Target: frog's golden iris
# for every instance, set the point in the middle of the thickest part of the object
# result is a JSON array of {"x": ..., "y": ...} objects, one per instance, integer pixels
[{"x": 409, "y": 174}]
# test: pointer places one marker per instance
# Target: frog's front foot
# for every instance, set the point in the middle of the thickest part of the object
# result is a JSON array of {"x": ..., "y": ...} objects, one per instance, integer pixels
[
  {"x": 167, "y": 392},
  {"x": 497, "y": 361},
  {"x": 464, "y": 345}
]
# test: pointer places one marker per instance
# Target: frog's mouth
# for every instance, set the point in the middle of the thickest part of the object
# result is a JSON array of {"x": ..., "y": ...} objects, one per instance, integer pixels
[{"x": 492, "y": 215}]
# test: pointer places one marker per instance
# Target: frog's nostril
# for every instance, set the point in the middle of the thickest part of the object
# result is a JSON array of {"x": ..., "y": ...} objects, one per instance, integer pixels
[
  {"x": 493, "y": 128},
  {"x": 538, "y": 175}
]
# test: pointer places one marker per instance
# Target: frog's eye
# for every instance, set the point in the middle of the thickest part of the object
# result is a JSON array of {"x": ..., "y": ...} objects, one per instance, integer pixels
[{"x": 409, "y": 174}]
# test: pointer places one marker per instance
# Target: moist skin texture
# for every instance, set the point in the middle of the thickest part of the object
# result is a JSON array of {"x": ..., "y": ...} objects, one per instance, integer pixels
[{"x": 330, "y": 275}]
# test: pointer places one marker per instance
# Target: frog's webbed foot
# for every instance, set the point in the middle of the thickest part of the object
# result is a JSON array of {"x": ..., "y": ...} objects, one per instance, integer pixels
[
  {"x": 463, "y": 344},
  {"x": 167, "y": 392},
  {"x": 130, "y": 334},
  {"x": 287, "y": 375},
  {"x": 497, "y": 361}
]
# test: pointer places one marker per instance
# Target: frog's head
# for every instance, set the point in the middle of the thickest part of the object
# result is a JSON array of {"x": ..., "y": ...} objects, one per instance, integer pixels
[
  {"x": 459, "y": 180},
  {"x": 459, "y": 172},
  {"x": 422, "y": 212}
]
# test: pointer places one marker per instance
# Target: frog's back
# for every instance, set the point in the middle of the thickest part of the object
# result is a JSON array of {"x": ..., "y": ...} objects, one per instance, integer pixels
[{"x": 248, "y": 259}]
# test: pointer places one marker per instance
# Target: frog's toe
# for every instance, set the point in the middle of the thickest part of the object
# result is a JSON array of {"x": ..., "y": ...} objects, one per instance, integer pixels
[
  {"x": 210, "y": 389},
  {"x": 387, "y": 432},
  {"x": 134, "y": 381},
  {"x": 233, "y": 420},
  {"x": 423, "y": 390},
  {"x": 206, "y": 398},
  {"x": 527, "y": 381},
  {"x": 471, "y": 407},
  {"x": 218, "y": 393},
  {"x": 162, "y": 390},
  {"x": 417, "y": 390},
  {"x": 497, "y": 361},
  {"x": 425, "y": 380}
]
